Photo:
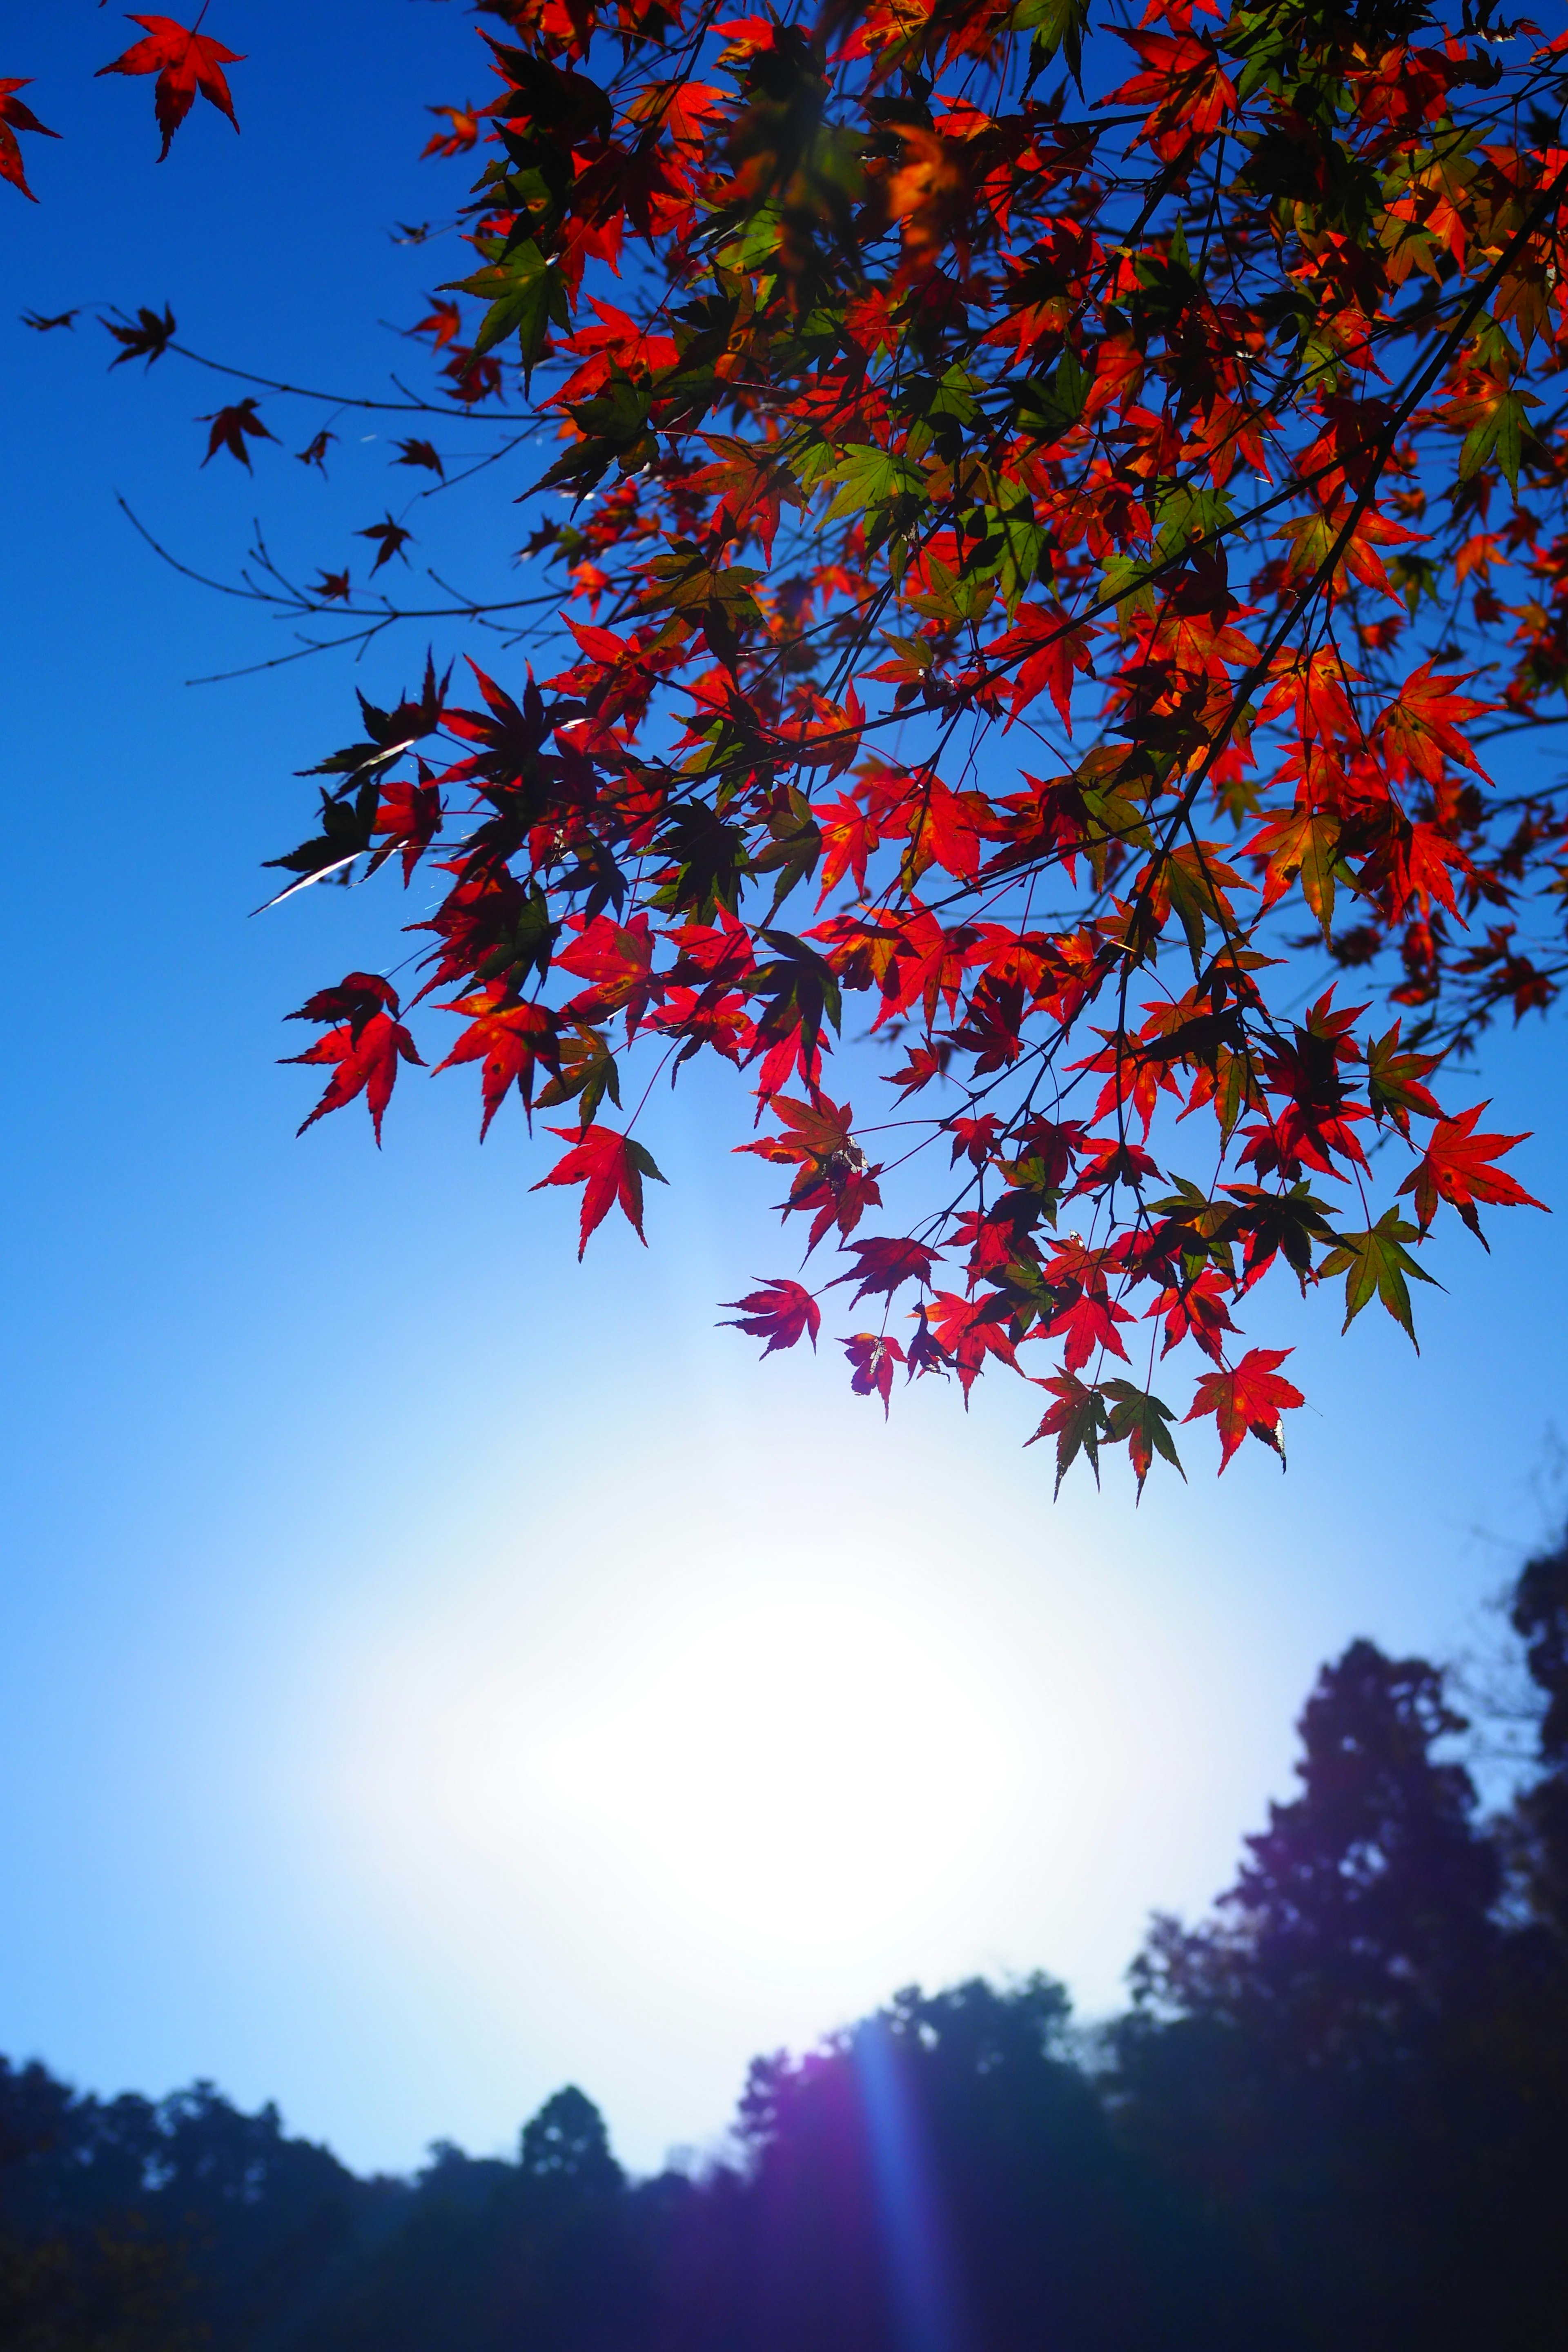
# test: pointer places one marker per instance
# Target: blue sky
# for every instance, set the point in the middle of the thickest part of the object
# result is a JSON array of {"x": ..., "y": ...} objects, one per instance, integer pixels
[{"x": 431, "y": 1671}]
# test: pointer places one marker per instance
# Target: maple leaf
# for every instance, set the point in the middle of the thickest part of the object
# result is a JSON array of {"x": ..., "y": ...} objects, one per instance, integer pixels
[
  {"x": 525, "y": 295},
  {"x": 185, "y": 61},
  {"x": 145, "y": 337},
  {"x": 617, "y": 963},
  {"x": 968, "y": 1330},
  {"x": 409, "y": 813},
  {"x": 779, "y": 1313},
  {"x": 314, "y": 453},
  {"x": 1142, "y": 1423},
  {"x": 1188, "y": 88},
  {"x": 420, "y": 452},
  {"x": 1305, "y": 844},
  {"x": 1456, "y": 1167},
  {"x": 750, "y": 485},
  {"x": 875, "y": 1357},
  {"x": 15, "y": 115},
  {"x": 42, "y": 325},
  {"x": 884, "y": 1264},
  {"x": 229, "y": 428},
  {"x": 1393, "y": 1084},
  {"x": 611, "y": 1166},
  {"x": 1077, "y": 1421},
  {"x": 1377, "y": 1261},
  {"x": 976, "y": 1139},
  {"x": 390, "y": 540},
  {"x": 444, "y": 324},
  {"x": 924, "y": 1063},
  {"x": 513, "y": 1041},
  {"x": 1251, "y": 1397},
  {"x": 945, "y": 829},
  {"x": 332, "y": 587},
  {"x": 834, "y": 1180},
  {"x": 1055, "y": 650},
  {"x": 465, "y": 130},
  {"x": 366, "y": 1048},
  {"x": 1422, "y": 728},
  {"x": 1089, "y": 1323},
  {"x": 1195, "y": 1309}
]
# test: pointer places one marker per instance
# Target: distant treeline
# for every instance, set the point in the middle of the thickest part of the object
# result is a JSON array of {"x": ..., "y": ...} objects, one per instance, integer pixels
[{"x": 1334, "y": 2116}]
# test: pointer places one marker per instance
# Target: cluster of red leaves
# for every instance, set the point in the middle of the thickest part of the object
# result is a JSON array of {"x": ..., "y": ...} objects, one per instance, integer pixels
[{"x": 908, "y": 403}]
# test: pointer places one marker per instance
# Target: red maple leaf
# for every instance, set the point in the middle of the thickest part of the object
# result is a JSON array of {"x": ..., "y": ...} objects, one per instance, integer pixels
[
  {"x": 230, "y": 428},
  {"x": 976, "y": 1139},
  {"x": 1053, "y": 650},
  {"x": 184, "y": 62},
  {"x": 819, "y": 1131},
  {"x": 1195, "y": 1310},
  {"x": 1456, "y": 1167},
  {"x": 884, "y": 1264},
  {"x": 1422, "y": 728},
  {"x": 511, "y": 1040},
  {"x": 1184, "y": 82},
  {"x": 779, "y": 1313},
  {"x": 616, "y": 960},
  {"x": 1089, "y": 1323},
  {"x": 366, "y": 1048},
  {"x": 970, "y": 1329},
  {"x": 612, "y": 1167},
  {"x": 874, "y": 1357},
  {"x": 1252, "y": 1397},
  {"x": 15, "y": 116},
  {"x": 946, "y": 829},
  {"x": 390, "y": 538},
  {"x": 409, "y": 813}
]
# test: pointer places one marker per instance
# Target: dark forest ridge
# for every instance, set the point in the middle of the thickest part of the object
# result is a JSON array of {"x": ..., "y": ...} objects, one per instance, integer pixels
[{"x": 1336, "y": 2115}]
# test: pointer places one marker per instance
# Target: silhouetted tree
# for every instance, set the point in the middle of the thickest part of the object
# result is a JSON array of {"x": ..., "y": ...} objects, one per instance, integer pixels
[
  {"x": 68, "y": 2287},
  {"x": 1539, "y": 1848},
  {"x": 939, "y": 2179},
  {"x": 1332, "y": 2065},
  {"x": 566, "y": 2144}
]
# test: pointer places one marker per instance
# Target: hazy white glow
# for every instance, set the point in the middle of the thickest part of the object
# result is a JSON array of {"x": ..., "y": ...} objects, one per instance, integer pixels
[
  {"x": 631, "y": 1807},
  {"x": 787, "y": 1768}
]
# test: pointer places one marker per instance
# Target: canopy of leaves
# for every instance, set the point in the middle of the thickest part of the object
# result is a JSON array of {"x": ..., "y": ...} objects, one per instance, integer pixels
[{"x": 1048, "y": 503}]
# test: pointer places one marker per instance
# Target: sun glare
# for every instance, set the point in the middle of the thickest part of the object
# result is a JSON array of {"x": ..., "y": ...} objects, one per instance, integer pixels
[
  {"x": 795, "y": 1768},
  {"x": 659, "y": 1798}
]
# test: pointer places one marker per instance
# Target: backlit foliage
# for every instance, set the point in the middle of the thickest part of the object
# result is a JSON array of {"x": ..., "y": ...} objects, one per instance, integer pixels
[{"x": 1057, "y": 505}]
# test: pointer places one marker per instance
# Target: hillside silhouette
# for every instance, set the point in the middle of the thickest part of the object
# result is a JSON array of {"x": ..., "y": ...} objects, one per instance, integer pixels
[{"x": 1335, "y": 2115}]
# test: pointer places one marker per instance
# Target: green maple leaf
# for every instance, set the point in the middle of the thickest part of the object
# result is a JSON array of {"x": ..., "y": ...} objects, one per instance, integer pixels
[
  {"x": 1138, "y": 1421},
  {"x": 1378, "y": 1261},
  {"x": 868, "y": 476},
  {"x": 525, "y": 295}
]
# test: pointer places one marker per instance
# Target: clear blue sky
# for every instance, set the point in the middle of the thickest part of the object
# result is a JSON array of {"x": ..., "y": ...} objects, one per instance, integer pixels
[{"x": 430, "y": 1671}]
